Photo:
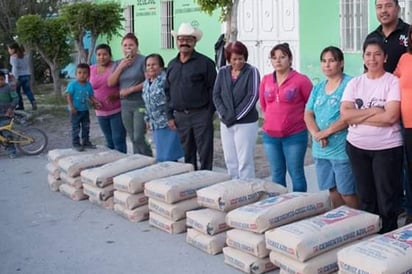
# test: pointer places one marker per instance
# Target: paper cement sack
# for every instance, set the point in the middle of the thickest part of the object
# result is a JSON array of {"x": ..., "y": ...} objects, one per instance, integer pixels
[
  {"x": 183, "y": 186},
  {"x": 102, "y": 194},
  {"x": 208, "y": 221},
  {"x": 103, "y": 175},
  {"x": 133, "y": 181},
  {"x": 55, "y": 155},
  {"x": 173, "y": 212},
  {"x": 74, "y": 164},
  {"x": 246, "y": 262},
  {"x": 232, "y": 194},
  {"x": 53, "y": 170},
  {"x": 325, "y": 263},
  {"x": 167, "y": 225},
  {"x": 108, "y": 204},
  {"x": 278, "y": 210},
  {"x": 209, "y": 244},
  {"x": 307, "y": 238},
  {"x": 75, "y": 182},
  {"x": 138, "y": 214},
  {"x": 72, "y": 193},
  {"x": 129, "y": 201},
  {"x": 248, "y": 242},
  {"x": 54, "y": 183},
  {"x": 384, "y": 254}
]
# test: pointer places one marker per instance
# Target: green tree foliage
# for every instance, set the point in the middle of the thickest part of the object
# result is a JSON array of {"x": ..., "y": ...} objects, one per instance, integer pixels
[
  {"x": 228, "y": 14},
  {"x": 49, "y": 37},
  {"x": 94, "y": 18}
]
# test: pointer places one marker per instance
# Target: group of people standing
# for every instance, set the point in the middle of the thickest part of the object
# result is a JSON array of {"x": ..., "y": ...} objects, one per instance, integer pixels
[{"x": 361, "y": 127}]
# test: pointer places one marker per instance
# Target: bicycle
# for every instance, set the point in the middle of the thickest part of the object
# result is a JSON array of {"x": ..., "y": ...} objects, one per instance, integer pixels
[{"x": 29, "y": 140}]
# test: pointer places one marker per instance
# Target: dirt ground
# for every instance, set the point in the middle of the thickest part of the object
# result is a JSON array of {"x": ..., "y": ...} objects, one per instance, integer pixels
[{"x": 57, "y": 126}]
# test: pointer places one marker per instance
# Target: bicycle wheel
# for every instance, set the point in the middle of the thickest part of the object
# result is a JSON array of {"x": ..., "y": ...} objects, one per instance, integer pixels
[{"x": 38, "y": 143}]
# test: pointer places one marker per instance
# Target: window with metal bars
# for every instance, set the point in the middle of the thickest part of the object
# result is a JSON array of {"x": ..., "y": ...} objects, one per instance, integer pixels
[
  {"x": 166, "y": 21},
  {"x": 354, "y": 24}
]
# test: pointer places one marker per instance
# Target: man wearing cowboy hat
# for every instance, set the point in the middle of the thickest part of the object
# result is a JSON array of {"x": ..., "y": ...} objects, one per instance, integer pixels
[{"x": 189, "y": 85}]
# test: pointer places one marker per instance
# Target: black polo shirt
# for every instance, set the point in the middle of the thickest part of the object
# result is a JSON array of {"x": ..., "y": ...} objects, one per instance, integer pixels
[
  {"x": 396, "y": 43},
  {"x": 189, "y": 85}
]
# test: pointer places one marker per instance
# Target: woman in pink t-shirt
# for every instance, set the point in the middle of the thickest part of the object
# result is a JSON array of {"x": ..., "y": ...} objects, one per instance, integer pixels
[
  {"x": 283, "y": 95},
  {"x": 371, "y": 106},
  {"x": 109, "y": 115}
]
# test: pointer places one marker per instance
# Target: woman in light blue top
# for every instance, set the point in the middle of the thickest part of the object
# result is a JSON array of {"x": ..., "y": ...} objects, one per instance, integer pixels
[
  {"x": 328, "y": 130},
  {"x": 20, "y": 64}
]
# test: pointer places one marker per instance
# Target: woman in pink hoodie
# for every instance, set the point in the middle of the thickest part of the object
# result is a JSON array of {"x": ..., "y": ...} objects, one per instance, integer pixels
[{"x": 283, "y": 95}]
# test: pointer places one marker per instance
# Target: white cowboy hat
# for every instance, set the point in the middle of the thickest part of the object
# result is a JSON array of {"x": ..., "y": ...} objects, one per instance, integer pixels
[{"x": 186, "y": 29}]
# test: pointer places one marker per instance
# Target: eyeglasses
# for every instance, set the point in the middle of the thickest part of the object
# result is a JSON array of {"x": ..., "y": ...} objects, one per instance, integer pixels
[{"x": 185, "y": 39}]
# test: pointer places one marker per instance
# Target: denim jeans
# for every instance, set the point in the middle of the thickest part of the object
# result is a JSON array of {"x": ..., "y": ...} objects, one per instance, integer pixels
[
  {"x": 114, "y": 131},
  {"x": 80, "y": 122},
  {"x": 133, "y": 120},
  {"x": 287, "y": 153},
  {"x": 23, "y": 82}
]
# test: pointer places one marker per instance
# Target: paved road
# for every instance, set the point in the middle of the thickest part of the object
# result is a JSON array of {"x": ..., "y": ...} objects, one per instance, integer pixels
[{"x": 44, "y": 232}]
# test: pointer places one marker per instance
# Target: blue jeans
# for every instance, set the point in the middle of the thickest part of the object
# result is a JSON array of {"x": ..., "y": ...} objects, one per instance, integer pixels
[
  {"x": 114, "y": 132},
  {"x": 287, "y": 153},
  {"x": 80, "y": 122},
  {"x": 23, "y": 82}
]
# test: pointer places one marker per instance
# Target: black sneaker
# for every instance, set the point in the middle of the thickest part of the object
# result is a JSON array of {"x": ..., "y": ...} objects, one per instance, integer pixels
[
  {"x": 78, "y": 147},
  {"x": 89, "y": 145}
]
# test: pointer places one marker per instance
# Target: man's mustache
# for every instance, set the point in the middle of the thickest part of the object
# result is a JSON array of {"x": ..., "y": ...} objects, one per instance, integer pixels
[{"x": 185, "y": 45}]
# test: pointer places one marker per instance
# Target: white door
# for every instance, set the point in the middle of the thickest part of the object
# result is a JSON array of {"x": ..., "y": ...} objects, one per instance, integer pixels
[{"x": 264, "y": 23}]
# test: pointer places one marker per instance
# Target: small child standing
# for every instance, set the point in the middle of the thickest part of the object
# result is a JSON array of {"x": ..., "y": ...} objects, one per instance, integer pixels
[
  {"x": 79, "y": 95},
  {"x": 8, "y": 102}
]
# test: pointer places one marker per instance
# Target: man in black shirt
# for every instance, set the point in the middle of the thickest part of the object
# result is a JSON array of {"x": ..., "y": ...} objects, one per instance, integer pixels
[
  {"x": 392, "y": 30},
  {"x": 190, "y": 78}
]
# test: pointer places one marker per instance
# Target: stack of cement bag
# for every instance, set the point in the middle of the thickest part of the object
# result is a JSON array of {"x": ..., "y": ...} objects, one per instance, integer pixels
[
  {"x": 171, "y": 197},
  {"x": 53, "y": 156},
  {"x": 387, "y": 253},
  {"x": 71, "y": 166},
  {"x": 129, "y": 199},
  {"x": 246, "y": 242},
  {"x": 220, "y": 199},
  {"x": 98, "y": 181},
  {"x": 311, "y": 245}
]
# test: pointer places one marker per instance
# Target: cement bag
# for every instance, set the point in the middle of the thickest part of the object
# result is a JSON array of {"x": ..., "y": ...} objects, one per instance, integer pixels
[
  {"x": 72, "y": 193},
  {"x": 108, "y": 204},
  {"x": 103, "y": 175},
  {"x": 208, "y": 221},
  {"x": 175, "y": 211},
  {"x": 138, "y": 214},
  {"x": 307, "y": 238},
  {"x": 384, "y": 254},
  {"x": 54, "y": 183},
  {"x": 74, "y": 164},
  {"x": 324, "y": 263},
  {"x": 248, "y": 242},
  {"x": 232, "y": 194},
  {"x": 98, "y": 193},
  {"x": 278, "y": 210},
  {"x": 55, "y": 155},
  {"x": 129, "y": 201},
  {"x": 183, "y": 186},
  {"x": 53, "y": 170},
  {"x": 246, "y": 262},
  {"x": 133, "y": 181},
  {"x": 75, "y": 182},
  {"x": 210, "y": 244},
  {"x": 172, "y": 227}
]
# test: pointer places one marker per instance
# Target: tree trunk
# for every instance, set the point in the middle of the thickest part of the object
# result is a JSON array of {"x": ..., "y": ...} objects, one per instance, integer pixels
[
  {"x": 91, "y": 49},
  {"x": 57, "y": 84},
  {"x": 82, "y": 58},
  {"x": 231, "y": 22}
]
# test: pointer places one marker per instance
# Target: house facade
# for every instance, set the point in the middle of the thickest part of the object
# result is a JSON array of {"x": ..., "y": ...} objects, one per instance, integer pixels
[{"x": 307, "y": 25}]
